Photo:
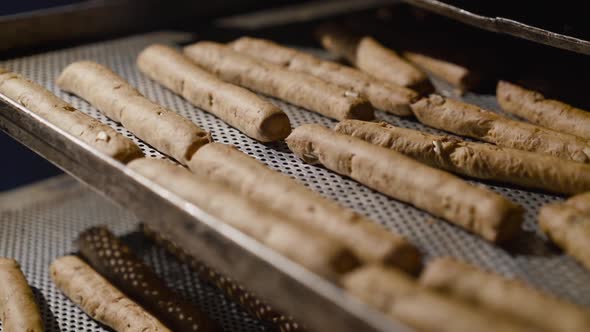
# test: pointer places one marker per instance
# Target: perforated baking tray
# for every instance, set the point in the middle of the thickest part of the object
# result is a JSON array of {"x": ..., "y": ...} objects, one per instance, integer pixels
[{"x": 321, "y": 305}]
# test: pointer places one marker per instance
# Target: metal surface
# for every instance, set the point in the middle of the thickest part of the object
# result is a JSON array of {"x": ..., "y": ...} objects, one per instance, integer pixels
[
  {"x": 507, "y": 26},
  {"x": 321, "y": 305},
  {"x": 42, "y": 227}
]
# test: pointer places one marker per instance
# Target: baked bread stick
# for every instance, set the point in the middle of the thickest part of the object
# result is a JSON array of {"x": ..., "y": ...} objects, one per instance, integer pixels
[
  {"x": 116, "y": 262},
  {"x": 508, "y": 297},
  {"x": 235, "y": 292},
  {"x": 473, "y": 208},
  {"x": 569, "y": 228},
  {"x": 237, "y": 106},
  {"x": 18, "y": 310},
  {"x": 296, "y": 88},
  {"x": 313, "y": 250},
  {"x": 385, "y": 96},
  {"x": 461, "y": 77},
  {"x": 478, "y": 160},
  {"x": 161, "y": 128},
  {"x": 399, "y": 296},
  {"x": 470, "y": 120},
  {"x": 581, "y": 202},
  {"x": 548, "y": 113},
  {"x": 373, "y": 58},
  {"x": 99, "y": 299},
  {"x": 63, "y": 115},
  {"x": 251, "y": 178}
]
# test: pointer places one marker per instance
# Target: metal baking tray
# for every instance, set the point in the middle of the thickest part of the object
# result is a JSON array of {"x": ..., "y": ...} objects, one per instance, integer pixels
[
  {"x": 506, "y": 26},
  {"x": 319, "y": 304}
]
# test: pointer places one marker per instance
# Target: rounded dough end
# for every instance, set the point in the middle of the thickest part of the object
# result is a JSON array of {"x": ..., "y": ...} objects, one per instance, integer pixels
[{"x": 275, "y": 127}]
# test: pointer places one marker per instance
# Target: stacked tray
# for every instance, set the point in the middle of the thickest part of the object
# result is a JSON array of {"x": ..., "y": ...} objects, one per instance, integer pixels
[{"x": 281, "y": 282}]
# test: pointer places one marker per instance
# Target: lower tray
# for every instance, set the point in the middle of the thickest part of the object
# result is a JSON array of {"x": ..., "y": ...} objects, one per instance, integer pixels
[
  {"x": 286, "y": 285},
  {"x": 39, "y": 222}
]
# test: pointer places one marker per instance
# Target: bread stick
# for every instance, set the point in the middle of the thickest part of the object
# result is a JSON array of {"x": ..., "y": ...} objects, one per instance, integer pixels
[
  {"x": 237, "y": 106},
  {"x": 478, "y": 160},
  {"x": 474, "y": 208},
  {"x": 373, "y": 58},
  {"x": 63, "y": 115},
  {"x": 401, "y": 297},
  {"x": 249, "y": 177},
  {"x": 99, "y": 299},
  {"x": 459, "y": 76},
  {"x": 232, "y": 290},
  {"x": 296, "y": 88},
  {"x": 548, "y": 113},
  {"x": 116, "y": 262},
  {"x": 385, "y": 96},
  {"x": 569, "y": 228},
  {"x": 581, "y": 202},
  {"x": 508, "y": 297},
  {"x": 313, "y": 250},
  {"x": 18, "y": 310},
  {"x": 163, "y": 129},
  {"x": 470, "y": 120}
]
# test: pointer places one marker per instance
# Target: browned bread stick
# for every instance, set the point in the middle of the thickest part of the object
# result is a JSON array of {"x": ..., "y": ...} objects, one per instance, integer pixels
[
  {"x": 509, "y": 297},
  {"x": 235, "y": 292},
  {"x": 240, "y": 108},
  {"x": 163, "y": 129},
  {"x": 116, "y": 262},
  {"x": 548, "y": 113},
  {"x": 99, "y": 299},
  {"x": 63, "y": 115},
  {"x": 470, "y": 120},
  {"x": 474, "y": 208},
  {"x": 313, "y": 250},
  {"x": 568, "y": 225},
  {"x": 296, "y": 88},
  {"x": 386, "y": 96},
  {"x": 18, "y": 310},
  {"x": 370, "y": 56},
  {"x": 251, "y": 178},
  {"x": 398, "y": 295},
  {"x": 479, "y": 160},
  {"x": 459, "y": 76}
]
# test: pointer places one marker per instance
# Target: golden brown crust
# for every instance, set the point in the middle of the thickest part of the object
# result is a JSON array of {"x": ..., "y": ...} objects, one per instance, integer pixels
[
  {"x": 249, "y": 177},
  {"x": 18, "y": 310},
  {"x": 63, "y": 115},
  {"x": 569, "y": 228},
  {"x": 548, "y": 113},
  {"x": 99, "y": 299},
  {"x": 425, "y": 310},
  {"x": 161, "y": 128},
  {"x": 237, "y": 106},
  {"x": 383, "y": 95},
  {"x": 509, "y": 297},
  {"x": 296, "y": 88},
  {"x": 479, "y": 160},
  {"x": 470, "y": 120},
  {"x": 476, "y": 209},
  {"x": 314, "y": 250}
]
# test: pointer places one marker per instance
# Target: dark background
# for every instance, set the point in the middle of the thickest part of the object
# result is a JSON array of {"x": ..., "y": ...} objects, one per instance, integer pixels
[{"x": 18, "y": 164}]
